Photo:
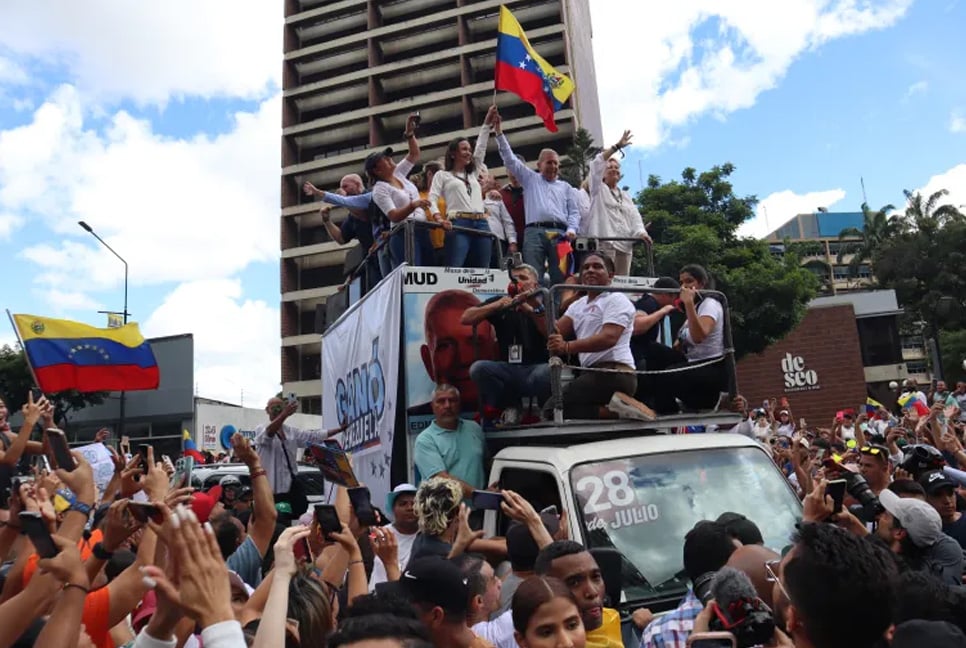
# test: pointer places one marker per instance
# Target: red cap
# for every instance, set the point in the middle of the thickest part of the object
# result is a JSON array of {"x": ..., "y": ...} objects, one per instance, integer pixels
[
  {"x": 145, "y": 609},
  {"x": 203, "y": 503}
]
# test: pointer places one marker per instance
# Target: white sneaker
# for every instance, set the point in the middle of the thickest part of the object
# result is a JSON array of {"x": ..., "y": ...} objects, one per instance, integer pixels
[
  {"x": 510, "y": 416},
  {"x": 627, "y": 407}
]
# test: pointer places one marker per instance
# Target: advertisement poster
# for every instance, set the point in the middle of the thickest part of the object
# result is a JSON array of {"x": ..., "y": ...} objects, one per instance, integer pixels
[
  {"x": 360, "y": 361},
  {"x": 438, "y": 347}
]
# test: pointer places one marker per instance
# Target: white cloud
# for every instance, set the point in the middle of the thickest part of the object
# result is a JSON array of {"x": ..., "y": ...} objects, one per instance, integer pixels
[
  {"x": 957, "y": 123},
  {"x": 8, "y": 223},
  {"x": 11, "y": 73},
  {"x": 63, "y": 301},
  {"x": 778, "y": 208},
  {"x": 151, "y": 52},
  {"x": 917, "y": 88},
  {"x": 954, "y": 181},
  {"x": 236, "y": 339},
  {"x": 670, "y": 78},
  {"x": 177, "y": 210}
]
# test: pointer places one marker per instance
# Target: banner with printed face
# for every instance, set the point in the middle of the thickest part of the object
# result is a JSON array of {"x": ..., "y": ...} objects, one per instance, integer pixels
[
  {"x": 360, "y": 362},
  {"x": 439, "y": 347}
]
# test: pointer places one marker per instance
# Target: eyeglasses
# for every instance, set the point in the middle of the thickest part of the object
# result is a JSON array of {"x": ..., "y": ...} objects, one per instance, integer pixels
[{"x": 771, "y": 575}]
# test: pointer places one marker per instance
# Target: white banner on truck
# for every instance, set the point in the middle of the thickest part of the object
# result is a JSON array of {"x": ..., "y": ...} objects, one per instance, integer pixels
[{"x": 360, "y": 363}]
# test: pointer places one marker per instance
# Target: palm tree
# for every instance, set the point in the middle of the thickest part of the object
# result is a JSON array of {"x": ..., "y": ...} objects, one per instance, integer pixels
[
  {"x": 877, "y": 228},
  {"x": 925, "y": 215}
]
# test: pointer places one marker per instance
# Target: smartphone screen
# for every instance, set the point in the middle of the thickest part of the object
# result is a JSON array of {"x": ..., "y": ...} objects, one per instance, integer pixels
[
  {"x": 328, "y": 519},
  {"x": 143, "y": 451},
  {"x": 143, "y": 511},
  {"x": 33, "y": 526},
  {"x": 836, "y": 490},
  {"x": 302, "y": 551},
  {"x": 550, "y": 510},
  {"x": 60, "y": 450},
  {"x": 487, "y": 500},
  {"x": 362, "y": 505}
]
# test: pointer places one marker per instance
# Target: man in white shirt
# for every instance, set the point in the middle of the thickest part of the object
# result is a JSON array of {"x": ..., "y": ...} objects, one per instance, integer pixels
[
  {"x": 278, "y": 444},
  {"x": 597, "y": 327},
  {"x": 405, "y": 526}
]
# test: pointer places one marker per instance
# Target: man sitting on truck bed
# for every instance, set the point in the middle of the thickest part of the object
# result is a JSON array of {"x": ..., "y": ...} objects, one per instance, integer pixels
[
  {"x": 521, "y": 331},
  {"x": 451, "y": 447},
  {"x": 598, "y": 328}
]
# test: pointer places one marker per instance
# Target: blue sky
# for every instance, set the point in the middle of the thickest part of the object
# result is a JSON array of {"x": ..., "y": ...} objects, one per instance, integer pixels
[{"x": 163, "y": 133}]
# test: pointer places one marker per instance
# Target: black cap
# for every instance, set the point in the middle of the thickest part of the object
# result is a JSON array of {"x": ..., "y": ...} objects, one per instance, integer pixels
[
  {"x": 373, "y": 158},
  {"x": 437, "y": 582},
  {"x": 934, "y": 481},
  {"x": 740, "y": 528}
]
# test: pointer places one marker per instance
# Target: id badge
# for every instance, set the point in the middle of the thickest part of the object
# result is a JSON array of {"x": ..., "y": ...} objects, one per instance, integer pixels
[{"x": 515, "y": 354}]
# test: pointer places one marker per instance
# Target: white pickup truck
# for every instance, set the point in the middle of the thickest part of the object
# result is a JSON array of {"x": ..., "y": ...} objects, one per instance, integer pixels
[{"x": 632, "y": 498}]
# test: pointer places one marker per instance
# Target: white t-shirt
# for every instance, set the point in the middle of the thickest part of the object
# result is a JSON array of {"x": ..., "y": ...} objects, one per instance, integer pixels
[
  {"x": 405, "y": 543},
  {"x": 453, "y": 189},
  {"x": 589, "y": 318},
  {"x": 786, "y": 430},
  {"x": 713, "y": 345},
  {"x": 498, "y": 632},
  {"x": 848, "y": 433},
  {"x": 388, "y": 197}
]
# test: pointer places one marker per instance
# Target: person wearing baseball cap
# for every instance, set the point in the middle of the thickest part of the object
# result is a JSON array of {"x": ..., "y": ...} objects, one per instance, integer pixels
[
  {"x": 941, "y": 495},
  {"x": 440, "y": 594},
  {"x": 913, "y": 529},
  {"x": 404, "y": 526}
]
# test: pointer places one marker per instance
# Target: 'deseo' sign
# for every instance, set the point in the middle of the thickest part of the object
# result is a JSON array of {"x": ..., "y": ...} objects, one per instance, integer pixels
[{"x": 797, "y": 376}]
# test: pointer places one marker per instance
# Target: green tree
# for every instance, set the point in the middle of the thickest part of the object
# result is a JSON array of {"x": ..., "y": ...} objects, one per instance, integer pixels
[
  {"x": 952, "y": 347},
  {"x": 16, "y": 381},
  {"x": 576, "y": 166},
  {"x": 877, "y": 228},
  {"x": 928, "y": 215},
  {"x": 695, "y": 220}
]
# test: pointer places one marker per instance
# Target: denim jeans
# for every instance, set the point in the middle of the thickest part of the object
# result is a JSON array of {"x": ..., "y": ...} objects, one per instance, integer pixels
[
  {"x": 423, "y": 248},
  {"x": 385, "y": 261},
  {"x": 539, "y": 250},
  {"x": 468, "y": 250},
  {"x": 503, "y": 384}
]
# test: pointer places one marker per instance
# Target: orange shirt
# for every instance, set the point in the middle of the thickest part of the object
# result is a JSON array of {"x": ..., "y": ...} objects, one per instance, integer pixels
[
  {"x": 86, "y": 549},
  {"x": 97, "y": 612}
]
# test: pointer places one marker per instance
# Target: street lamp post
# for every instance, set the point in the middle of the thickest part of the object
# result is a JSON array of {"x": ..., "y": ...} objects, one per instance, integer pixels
[{"x": 91, "y": 231}]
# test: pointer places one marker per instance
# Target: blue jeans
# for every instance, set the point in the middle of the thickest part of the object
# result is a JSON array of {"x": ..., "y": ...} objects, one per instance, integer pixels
[
  {"x": 503, "y": 384},
  {"x": 540, "y": 251},
  {"x": 468, "y": 250},
  {"x": 423, "y": 252}
]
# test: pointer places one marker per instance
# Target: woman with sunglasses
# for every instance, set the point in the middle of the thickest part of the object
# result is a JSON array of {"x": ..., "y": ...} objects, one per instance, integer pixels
[
  {"x": 545, "y": 615},
  {"x": 459, "y": 186}
]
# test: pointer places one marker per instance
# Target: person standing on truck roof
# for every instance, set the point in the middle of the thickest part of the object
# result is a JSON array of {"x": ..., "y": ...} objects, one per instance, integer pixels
[
  {"x": 598, "y": 328},
  {"x": 451, "y": 447},
  {"x": 521, "y": 330},
  {"x": 549, "y": 206},
  {"x": 277, "y": 445}
]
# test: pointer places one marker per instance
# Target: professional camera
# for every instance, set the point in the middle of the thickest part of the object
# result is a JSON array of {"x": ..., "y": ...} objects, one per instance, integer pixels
[
  {"x": 748, "y": 619},
  {"x": 702, "y": 587},
  {"x": 859, "y": 489},
  {"x": 920, "y": 459}
]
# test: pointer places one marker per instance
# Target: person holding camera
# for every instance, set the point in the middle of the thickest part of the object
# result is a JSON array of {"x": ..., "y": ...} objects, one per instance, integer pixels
[{"x": 613, "y": 213}]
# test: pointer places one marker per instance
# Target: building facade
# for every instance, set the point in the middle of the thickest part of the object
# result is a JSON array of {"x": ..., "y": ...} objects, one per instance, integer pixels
[
  {"x": 353, "y": 71},
  {"x": 846, "y": 348}
]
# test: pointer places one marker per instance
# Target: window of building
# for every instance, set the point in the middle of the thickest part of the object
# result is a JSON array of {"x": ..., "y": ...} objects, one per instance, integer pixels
[
  {"x": 917, "y": 366},
  {"x": 879, "y": 340}
]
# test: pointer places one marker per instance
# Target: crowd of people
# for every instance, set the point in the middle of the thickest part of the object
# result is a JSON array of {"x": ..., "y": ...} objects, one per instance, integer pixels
[
  {"x": 469, "y": 220},
  {"x": 151, "y": 562}
]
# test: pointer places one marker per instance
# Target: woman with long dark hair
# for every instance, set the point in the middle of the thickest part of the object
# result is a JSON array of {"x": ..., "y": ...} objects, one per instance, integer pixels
[
  {"x": 459, "y": 186},
  {"x": 546, "y": 615}
]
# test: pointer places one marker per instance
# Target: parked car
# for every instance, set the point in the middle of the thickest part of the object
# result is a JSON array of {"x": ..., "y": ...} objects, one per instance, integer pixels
[{"x": 208, "y": 475}]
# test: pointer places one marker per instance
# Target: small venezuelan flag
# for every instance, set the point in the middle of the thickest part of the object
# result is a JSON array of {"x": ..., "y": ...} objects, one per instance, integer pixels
[
  {"x": 189, "y": 449},
  {"x": 70, "y": 355},
  {"x": 912, "y": 402},
  {"x": 872, "y": 406},
  {"x": 520, "y": 70}
]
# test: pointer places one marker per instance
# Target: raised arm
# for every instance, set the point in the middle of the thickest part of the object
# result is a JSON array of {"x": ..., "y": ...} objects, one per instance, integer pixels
[
  {"x": 479, "y": 153},
  {"x": 410, "y": 135},
  {"x": 264, "y": 514},
  {"x": 333, "y": 230},
  {"x": 32, "y": 413},
  {"x": 476, "y": 314},
  {"x": 520, "y": 170}
]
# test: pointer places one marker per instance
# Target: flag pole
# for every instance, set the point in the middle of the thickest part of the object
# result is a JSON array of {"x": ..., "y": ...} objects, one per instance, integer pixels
[{"x": 23, "y": 348}]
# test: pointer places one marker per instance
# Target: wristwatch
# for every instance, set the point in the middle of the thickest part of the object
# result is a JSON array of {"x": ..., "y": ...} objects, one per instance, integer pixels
[{"x": 101, "y": 553}]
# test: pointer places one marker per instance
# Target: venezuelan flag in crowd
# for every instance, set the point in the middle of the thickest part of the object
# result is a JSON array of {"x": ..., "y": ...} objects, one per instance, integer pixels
[
  {"x": 520, "y": 70},
  {"x": 872, "y": 406},
  {"x": 189, "y": 449},
  {"x": 70, "y": 355},
  {"x": 912, "y": 402}
]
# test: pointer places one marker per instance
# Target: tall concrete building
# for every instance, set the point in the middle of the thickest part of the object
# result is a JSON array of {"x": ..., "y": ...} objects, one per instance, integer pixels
[{"x": 353, "y": 71}]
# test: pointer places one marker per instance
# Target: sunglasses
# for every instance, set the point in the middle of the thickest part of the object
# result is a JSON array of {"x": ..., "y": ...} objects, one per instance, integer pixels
[
  {"x": 771, "y": 575},
  {"x": 874, "y": 450}
]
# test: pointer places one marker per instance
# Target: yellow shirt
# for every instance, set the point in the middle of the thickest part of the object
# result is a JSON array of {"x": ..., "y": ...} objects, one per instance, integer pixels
[
  {"x": 608, "y": 635},
  {"x": 437, "y": 235}
]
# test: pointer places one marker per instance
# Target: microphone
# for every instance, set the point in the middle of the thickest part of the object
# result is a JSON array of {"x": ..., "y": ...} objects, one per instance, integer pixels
[{"x": 737, "y": 609}]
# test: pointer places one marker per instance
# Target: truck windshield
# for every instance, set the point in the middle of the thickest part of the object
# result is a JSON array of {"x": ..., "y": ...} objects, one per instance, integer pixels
[{"x": 643, "y": 506}]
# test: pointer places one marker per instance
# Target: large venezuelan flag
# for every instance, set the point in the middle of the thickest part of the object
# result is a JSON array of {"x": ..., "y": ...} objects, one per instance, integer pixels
[
  {"x": 519, "y": 69},
  {"x": 70, "y": 355}
]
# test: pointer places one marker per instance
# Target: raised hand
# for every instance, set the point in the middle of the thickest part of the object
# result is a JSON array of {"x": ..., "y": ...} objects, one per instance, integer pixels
[
  {"x": 310, "y": 189},
  {"x": 243, "y": 449},
  {"x": 625, "y": 139},
  {"x": 285, "y": 562}
]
